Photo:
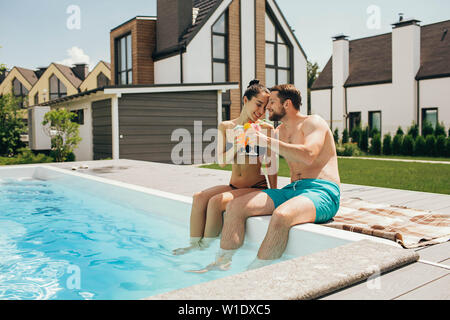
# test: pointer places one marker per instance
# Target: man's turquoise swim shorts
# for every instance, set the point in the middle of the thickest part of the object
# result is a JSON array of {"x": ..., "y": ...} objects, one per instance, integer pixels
[{"x": 324, "y": 194}]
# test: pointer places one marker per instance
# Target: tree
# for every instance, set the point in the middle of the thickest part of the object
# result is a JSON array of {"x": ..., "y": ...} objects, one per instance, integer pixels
[
  {"x": 408, "y": 145},
  {"x": 11, "y": 126},
  {"x": 387, "y": 144},
  {"x": 427, "y": 129},
  {"x": 63, "y": 132},
  {"x": 336, "y": 136},
  {"x": 421, "y": 147},
  {"x": 413, "y": 130},
  {"x": 440, "y": 129},
  {"x": 397, "y": 144},
  {"x": 375, "y": 146},
  {"x": 364, "y": 141},
  {"x": 399, "y": 131},
  {"x": 312, "y": 72},
  {"x": 345, "y": 136}
]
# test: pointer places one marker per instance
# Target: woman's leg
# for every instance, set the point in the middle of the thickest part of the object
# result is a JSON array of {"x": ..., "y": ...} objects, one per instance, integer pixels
[
  {"x": 216, "y": 206},
  {"x": 198, "y": 215}
]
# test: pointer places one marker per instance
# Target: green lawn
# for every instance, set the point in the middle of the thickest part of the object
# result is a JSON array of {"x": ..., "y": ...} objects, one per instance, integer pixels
[
  {"x": 407, "y": 158},
  {"x": 416, "y": 176}
]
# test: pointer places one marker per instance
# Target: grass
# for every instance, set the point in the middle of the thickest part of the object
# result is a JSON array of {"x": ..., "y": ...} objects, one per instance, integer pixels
[
  {"x": 406, "y": 158},
  {"x": 415, "y": 176}
]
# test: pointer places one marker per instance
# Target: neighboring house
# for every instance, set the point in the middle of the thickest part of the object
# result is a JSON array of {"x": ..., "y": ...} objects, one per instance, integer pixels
[
  {"x": 19, "y": 81},
  {"x": 57, "y": 81},
  {"x": 388, "y": 80},
  {"x": 99, "y": 77},
  {"x": 209, "y": 41}
]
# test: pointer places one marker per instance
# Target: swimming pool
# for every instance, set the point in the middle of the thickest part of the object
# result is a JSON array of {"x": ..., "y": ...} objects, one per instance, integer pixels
[{"x": 65, "y": 235}]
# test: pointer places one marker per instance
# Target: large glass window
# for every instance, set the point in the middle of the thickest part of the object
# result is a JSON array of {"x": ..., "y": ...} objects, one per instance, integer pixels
[
  {"x": 374, "y": 121},
  {"x": 430, "y": 115},
  {"x": 219, "y": 49},
  {"x": 278, "y": 56},
  {"x": 57, "y": 88},
  {"x": 124, "y": 60},
  {"x": 20, "y": 91}
]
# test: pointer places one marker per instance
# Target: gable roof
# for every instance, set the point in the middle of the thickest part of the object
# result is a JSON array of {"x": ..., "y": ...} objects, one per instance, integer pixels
[
  {"x": 68, "y": 73},
  {"x": 371, "y": 58},
  {"x": 28, "y": 74}
]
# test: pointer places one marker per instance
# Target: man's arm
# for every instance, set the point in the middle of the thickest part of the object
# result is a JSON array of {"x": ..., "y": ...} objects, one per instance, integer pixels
[
  {"x": 315, "y": 133},
  {"x": 272, "y": 163}
]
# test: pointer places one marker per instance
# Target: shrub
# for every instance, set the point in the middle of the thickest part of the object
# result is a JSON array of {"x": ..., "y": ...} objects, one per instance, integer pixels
[
  {"x": 373, "y": 132},
  {"x": 440, "y": 130},
  {"x": 336, "y": 136},
  {"x": 397, "y": 144},
  {"x": 364, "y": 141},
  {"x": 345, "y": 136},
  {"x": 387, "y": 144},
  {"x": 356, "y": 134},
  {"x": 408, "y": 145},
  {"x": 375, "y": 147},
  {"x": 430, "y": 142},
  {"x": 399, "y": 131},
  {"x": 414, "y": 131},
  {"x": 427, "y": 129},
  {"x": 348, "y": 150},
  {"x": 26, "y": 156},
  {"x": 63, "y": 132},
  {"x": 440, "y": 146},
  {"x": 447, "y": 146},
  {"x": 421, "y": 148},
  {"x": 11, "y": 126}
]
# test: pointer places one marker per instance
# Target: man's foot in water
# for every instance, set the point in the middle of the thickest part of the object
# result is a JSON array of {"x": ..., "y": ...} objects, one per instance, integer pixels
[{"x": 222, "y": 263}]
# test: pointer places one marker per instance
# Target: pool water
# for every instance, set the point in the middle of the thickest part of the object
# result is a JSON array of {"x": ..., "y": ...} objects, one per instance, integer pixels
[{"x": 58, "y": 242}]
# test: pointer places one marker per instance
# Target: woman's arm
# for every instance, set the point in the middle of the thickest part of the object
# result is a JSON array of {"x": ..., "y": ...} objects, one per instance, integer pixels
[{"x": 224, "y": 156}]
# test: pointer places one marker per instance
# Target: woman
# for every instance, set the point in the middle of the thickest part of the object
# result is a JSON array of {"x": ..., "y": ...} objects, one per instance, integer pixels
[{"x": 208, "y": 205}]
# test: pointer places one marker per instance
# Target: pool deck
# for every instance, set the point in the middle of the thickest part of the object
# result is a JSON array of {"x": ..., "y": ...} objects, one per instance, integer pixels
[{"x": 429, "y": 278}]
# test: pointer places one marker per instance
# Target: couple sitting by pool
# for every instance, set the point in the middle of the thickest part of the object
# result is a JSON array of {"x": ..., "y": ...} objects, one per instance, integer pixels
[{"x": 307, "y": 144}]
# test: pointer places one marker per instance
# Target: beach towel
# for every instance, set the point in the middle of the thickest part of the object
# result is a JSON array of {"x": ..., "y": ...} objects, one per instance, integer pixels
[{"x": 411, "y": 228}]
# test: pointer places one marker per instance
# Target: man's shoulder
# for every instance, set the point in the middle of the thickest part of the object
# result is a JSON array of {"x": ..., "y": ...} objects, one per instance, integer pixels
[{"x": 315, "y": 122}]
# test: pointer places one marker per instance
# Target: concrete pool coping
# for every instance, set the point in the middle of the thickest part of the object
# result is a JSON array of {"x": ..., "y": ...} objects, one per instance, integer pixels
[{"x": 306, "y": 277}]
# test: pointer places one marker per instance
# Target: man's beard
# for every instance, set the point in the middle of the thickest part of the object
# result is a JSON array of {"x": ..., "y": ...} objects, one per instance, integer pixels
[{"x": 277, "y": 116}]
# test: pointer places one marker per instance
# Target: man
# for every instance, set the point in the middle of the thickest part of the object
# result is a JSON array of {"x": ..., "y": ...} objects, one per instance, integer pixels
[{"x": 307, "y": 144}]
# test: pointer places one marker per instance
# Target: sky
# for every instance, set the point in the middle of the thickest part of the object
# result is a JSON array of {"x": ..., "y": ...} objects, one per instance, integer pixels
[{"x": 34, "y": 33}]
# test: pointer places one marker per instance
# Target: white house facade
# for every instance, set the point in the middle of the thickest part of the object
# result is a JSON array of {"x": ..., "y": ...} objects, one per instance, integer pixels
[{"x": 388, "y": 80}]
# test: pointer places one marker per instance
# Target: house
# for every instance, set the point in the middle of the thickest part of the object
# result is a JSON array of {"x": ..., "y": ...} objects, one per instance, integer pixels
[
  {"x": 185, "y": 70},
  {"x": 19, "y": 81},
  {"x": 99, "y": 77},
  {"x": 388, "y": 80},
  {"x": 209, "y": 41}
]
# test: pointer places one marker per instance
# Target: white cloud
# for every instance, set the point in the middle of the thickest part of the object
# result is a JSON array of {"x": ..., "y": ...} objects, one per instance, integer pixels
[{"x": 75, "y": 55}]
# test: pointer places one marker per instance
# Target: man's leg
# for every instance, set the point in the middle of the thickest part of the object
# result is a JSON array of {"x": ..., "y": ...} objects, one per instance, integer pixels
[
  {"x": 253, "y": 204},
  {"x": 295, "y": 211}
]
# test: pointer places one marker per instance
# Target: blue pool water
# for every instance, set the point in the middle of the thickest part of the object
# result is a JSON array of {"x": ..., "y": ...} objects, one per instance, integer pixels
[{"x": 58, "y": 242}]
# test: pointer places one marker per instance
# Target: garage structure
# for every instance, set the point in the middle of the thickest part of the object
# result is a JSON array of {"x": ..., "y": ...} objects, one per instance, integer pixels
[{"x": 141, "y": 122}]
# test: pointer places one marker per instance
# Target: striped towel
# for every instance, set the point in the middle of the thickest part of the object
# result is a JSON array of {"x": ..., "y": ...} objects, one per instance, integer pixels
[{"x": 410, "y": 228}]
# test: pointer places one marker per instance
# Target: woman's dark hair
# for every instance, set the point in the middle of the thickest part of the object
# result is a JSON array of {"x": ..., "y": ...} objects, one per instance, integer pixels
[{"x": 254, "y": 88}]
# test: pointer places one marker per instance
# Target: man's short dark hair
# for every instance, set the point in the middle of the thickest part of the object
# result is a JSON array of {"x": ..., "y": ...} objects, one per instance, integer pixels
[{"x": 288, "y": 91}]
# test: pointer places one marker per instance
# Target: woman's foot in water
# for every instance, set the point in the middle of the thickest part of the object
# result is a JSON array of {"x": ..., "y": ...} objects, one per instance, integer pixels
[{"x": 197, "y": 243}]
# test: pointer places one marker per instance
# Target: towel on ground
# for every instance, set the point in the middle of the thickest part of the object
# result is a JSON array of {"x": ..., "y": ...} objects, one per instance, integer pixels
[{"x": 411, "y": 228}]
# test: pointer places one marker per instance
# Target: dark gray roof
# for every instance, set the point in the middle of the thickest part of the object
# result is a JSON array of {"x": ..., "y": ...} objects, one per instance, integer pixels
[
  {"x": 371, "y": 58},
  {"x": 206, "y": 9}
]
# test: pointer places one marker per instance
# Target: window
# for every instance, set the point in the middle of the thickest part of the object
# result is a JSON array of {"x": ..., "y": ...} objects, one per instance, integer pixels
[
  {"x": 374, "y": 121},
  {"x": 226, "y": 112},
  {"x": 430, "y": 115},
  {"x": 19, "y": 92},
  {"x": 57, "y": 88},
  {"x": 219, "y": 49},
  {"x": 79, "y": 116},
  {"x": 36, "y": 98},
  {"x": 354, "y": 119},
  {"x": 102, "y": 80},
  {"x": 124, "y": 60},
  {"x": 278, "y": 56}
]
